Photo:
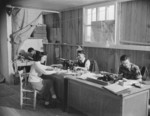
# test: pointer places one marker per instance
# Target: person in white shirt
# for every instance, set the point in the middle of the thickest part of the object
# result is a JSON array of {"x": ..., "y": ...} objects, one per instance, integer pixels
[
  {"x": 44, "y": 86},
  {"x": 82, "y": 63}
]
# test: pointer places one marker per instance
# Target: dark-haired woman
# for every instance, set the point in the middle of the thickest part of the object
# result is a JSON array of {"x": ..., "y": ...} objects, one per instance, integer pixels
[{"x": 44, "y": 86}]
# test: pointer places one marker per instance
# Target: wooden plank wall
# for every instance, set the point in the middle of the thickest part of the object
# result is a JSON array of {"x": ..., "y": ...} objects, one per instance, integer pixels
[
  {"x": 72, "y": 27},
  {"x": 135, "y": 21},
  {"x": 52, "y": 22},
  {"x": 71, "y": 32},
  {"x": 107, "y": 58}
]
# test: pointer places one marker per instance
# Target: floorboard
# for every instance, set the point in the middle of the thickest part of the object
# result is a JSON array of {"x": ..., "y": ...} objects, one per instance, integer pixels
[{"x": 9, "y": 105}]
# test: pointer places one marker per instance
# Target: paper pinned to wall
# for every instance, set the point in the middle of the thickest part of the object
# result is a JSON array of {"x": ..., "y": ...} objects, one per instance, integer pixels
[{"x": 103, "y": 31}]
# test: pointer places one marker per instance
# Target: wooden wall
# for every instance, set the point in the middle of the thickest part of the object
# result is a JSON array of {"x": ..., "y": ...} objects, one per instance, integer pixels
[
  {"x": 52, "y": 22},
  {"x": 71, "y": 32},
  {"x": 107, "y": 58},
  {"x": 135, "y": 21},
  {"x": 72, "y": 27}
]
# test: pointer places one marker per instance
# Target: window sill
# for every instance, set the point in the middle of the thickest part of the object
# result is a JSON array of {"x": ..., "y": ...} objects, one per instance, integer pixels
[{"x": 117, "y": 46}]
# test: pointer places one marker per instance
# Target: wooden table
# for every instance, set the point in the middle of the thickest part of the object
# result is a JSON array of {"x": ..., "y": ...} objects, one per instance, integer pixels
[
  {"x": 61, "y": 87},
  {"x": 92, "y": 99},
  {"x": 24, "y": 65},
  {"x": 19, "y": 63}
]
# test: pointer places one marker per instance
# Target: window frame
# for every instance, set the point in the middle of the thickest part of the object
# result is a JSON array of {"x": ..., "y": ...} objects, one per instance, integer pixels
[
  {"x": 85, "y": 43},
  {"x": 118, "y": 43}
]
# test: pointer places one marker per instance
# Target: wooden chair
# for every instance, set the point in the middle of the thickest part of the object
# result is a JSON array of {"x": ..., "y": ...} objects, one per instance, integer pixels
[
  {"x": 45, "y": 62},
  {"x": 27, "y": 94},
  {"x": 94, "y": 66}
]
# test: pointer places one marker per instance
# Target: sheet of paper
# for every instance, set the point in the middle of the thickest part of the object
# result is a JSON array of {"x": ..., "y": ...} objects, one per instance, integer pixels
[
  {"x": 88, "y": 75},
  {"x": 116, "y": 87}
]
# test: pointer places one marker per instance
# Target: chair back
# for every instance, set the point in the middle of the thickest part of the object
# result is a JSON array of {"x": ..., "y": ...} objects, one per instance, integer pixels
[
  {"x": 45, "y": 61},
  {"x": 25, "y": 90},
  {"x": 94, "y": 66},
  {"x": 145, "y": 73},
  {"x": 23, "y": 78}
]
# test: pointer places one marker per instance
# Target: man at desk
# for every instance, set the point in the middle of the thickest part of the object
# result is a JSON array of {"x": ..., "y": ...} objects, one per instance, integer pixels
[
  {"x": 82, "y": 63},
  {"x": 129, "y": 70},
  {"x": 33, "y": 53}
]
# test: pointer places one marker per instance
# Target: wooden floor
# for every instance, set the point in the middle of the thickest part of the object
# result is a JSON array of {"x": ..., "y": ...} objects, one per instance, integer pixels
[{"x": 9, "y": 105}]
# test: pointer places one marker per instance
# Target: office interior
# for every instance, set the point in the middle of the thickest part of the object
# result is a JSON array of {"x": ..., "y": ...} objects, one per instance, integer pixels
[{"x": 104, "y": 29}]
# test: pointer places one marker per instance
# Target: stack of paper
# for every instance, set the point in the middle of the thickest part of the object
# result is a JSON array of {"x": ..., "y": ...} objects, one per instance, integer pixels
[
  {"x": 116, "y": 88},
  {"x": 87, "y": 75}
]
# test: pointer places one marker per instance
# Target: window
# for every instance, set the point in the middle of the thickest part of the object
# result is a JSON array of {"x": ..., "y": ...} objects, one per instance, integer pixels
[
  {"x": 118, "y": 25},
  {"x": 99, "y": 24}
]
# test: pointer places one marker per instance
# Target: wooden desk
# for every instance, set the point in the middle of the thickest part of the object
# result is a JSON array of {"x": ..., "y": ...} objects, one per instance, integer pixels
[
  {"x": 19, "y": 63},
  {"x": 61, "y": 88},
  {"x": 93, "y": 100}
]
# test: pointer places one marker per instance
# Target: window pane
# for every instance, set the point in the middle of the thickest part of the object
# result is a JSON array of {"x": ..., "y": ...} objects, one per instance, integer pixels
[
  {"x": 110, "y": 12},
  {"x": 88, "y": 33},
  {"x": 100, "y": 24},
  {"x": 101, "y": 13},
  {"x": 89, "y": 15},
  {"x": 94, "y": 14}
]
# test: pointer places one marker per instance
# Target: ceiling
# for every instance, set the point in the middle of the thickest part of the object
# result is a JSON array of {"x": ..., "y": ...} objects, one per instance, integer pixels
[{"x": 55, "y": 5}]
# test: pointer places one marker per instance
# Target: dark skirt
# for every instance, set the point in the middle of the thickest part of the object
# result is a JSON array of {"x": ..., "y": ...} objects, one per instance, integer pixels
[{"x": 44, "y": 86}]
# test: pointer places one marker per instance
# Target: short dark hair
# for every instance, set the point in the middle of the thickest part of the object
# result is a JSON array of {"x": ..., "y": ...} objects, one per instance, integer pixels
[
  {"x": 80, "y": 52},
  {"x": 124, "y": 57},
  {"x": 39, "y": 56},
  {"x": 43, "y": 53},
  {"x": 30, "y": 49}
]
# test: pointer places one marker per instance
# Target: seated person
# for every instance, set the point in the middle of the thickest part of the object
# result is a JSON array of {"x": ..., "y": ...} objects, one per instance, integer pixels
[
  {"x": 33, "y": 53},
  {"x": 36, "y": 78},
  {"x": 22, "y": 55},
  {"x": 129, "y": 70},
  {"x": 82, "y": 62}
]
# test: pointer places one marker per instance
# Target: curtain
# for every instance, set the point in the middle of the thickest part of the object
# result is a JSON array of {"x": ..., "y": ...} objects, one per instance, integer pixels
[{"x": 24, "y": 22}]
